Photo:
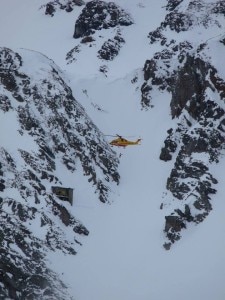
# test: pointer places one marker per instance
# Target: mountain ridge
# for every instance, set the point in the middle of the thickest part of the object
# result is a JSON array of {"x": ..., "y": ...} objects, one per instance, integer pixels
[{"x": 171, "y": 71}]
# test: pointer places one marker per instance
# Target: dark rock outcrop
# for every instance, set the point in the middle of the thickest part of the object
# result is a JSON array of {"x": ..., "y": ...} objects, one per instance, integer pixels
[
  {"x": 95, "y": 17},
  {"x": 172, "y": 4},
  {"x": 98, "y": 15},
  {"x": 197, "y": 13},
  {"x": 68, "y": 5},
  {"x": 110, "y": 49}
]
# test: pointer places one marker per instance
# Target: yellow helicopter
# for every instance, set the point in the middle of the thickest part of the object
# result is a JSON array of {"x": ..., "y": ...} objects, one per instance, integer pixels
[{"x": 122, "y": 142}]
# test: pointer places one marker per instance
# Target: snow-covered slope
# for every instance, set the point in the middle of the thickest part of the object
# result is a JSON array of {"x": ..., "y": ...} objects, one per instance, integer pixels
[
  {"x": 188, "y": 68},
  {"x": 45, "y": 136},
  {"x": 149, "y": 69}
]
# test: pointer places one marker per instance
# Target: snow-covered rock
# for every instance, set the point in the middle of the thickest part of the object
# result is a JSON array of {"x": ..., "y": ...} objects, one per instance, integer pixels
[
  {"x": 43, "y": 130},
  {"x": 97, "y": 15},
  {"x": 186, "y": 70},
  {"x": 90, "y": 26},
  {"x": 110, "y": 48},
  {"x": 68, "y": 5}
]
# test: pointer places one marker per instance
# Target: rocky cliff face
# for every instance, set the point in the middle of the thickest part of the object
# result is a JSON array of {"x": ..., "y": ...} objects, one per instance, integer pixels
[
  {"x": 95, "y": 18},
  {"x": 45, "y": 129},
  {"x": 68, "y": 5},
  {"x": 186, "y": 70},
  {"x": 99, "y": 15}
]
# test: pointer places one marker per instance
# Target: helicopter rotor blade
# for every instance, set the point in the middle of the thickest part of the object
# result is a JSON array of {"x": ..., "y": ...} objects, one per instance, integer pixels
[{"x": 120, "y": 136}]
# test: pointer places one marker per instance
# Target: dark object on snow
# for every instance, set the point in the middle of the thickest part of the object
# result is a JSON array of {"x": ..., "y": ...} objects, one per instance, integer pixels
[{"x": 65, "y": 194}]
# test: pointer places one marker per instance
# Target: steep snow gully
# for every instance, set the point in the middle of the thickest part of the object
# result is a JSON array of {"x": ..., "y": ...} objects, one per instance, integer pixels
[
  {"x": 123, "y": 258},
  {"x": 114, "y": 261}
]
